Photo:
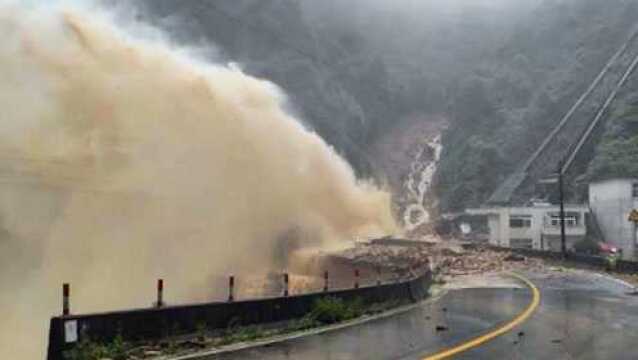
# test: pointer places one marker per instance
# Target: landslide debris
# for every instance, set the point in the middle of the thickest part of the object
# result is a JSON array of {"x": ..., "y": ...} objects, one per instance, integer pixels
[{"x": 444, "y": 258}]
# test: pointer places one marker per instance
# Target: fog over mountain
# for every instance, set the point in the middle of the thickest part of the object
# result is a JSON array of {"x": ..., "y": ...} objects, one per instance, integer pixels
[{"x": 501, "y": 73}]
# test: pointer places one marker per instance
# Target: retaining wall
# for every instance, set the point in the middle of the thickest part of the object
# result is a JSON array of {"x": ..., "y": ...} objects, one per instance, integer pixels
[{"x": 156, "y": 323}]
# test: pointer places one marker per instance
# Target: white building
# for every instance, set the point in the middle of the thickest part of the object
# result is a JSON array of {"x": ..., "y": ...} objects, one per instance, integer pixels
[
  {"x": 611, "y": 202},
  {"x": 534, "y": 227}
]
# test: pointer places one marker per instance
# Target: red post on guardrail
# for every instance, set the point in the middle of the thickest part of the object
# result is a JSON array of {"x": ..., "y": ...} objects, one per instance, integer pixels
[
  {"x": 160, "y": 293},
  {"x": 356, "y": 278},
  {"x": 325, "y": 281},
  {"x": 231, "y": 288},
  {"x": 66, "y": 302},
  {"x": 285, "y": 284}
]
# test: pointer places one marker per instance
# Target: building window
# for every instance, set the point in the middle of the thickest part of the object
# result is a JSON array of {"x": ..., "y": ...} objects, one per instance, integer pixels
[
  {"x": 634, "y": 190},
  {"x": 571, "y": 219},
  {"x": 520, "y": 221}
]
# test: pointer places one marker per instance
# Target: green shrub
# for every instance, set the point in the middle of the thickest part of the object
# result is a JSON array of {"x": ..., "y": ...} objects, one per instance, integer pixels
[
  {"x": 241, "y": 334},
  {"x": 305, "y": 323},
  {"x": 329, "y": 310},
  {"x": 89, "y": 350}
]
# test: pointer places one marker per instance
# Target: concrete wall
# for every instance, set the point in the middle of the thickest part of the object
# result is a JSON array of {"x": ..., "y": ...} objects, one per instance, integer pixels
[
  {"x": 497, "y": 238},
  {"x": 612, "y": 201},
  {"x": 156, "y": 323}
]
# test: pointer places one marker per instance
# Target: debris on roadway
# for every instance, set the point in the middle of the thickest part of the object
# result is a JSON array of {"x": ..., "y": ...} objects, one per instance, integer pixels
[{"x": 444, "y": 258}]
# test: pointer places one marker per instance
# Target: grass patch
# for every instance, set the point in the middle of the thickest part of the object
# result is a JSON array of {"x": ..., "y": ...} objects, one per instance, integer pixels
[
  {"x": 325, "y": 311},
  {"x": 241, "y": 334},
  {"x": 90, "y": 350},
  {"x": 330, "y": 310}
]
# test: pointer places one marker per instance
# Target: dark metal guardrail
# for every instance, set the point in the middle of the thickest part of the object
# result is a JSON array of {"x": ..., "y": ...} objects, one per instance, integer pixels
[
  {"x": 399, "y": 242},
  {"x": 162, "y": 321}
]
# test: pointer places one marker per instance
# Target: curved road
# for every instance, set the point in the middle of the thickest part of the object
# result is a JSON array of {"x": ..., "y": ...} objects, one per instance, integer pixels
[{"x": 581, "y": 316}]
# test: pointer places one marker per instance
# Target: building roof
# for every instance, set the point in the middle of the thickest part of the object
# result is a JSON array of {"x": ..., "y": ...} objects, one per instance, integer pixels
[
  {"x": 550, "y": 207},
  {"x": 622, "y": 179}
]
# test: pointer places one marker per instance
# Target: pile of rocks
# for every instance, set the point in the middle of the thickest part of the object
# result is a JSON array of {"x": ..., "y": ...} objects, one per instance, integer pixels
[
  {"x": 397, "y": 259},
  {"x": 445, "y": 258},
  {"x": 483, "y": 260}
]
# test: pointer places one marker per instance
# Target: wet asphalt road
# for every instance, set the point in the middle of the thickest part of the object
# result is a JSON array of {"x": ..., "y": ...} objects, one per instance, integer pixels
[{"x": 581, "y": 316}]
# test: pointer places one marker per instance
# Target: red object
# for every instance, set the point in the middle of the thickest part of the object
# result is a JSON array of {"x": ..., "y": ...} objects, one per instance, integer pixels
[
  {"x": 231, "y": 286},
  {"x": 286, "y": 284},
  {"x": 325, "y": 281},
  {"x": 160, "y": 293},
  {"x": 66, "y": 294},
  {"x": 607, "y": 248}
]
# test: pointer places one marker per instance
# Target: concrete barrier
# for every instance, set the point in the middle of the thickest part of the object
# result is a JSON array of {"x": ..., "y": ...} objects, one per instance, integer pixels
[
  {"x": 626, "y": 266},
  {"x": 399, "y": 242},
  {"x": 159, "y": 322}
]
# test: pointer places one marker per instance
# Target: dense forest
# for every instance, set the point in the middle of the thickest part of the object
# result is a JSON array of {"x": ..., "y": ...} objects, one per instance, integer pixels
[{"x": 501, "y": 72}]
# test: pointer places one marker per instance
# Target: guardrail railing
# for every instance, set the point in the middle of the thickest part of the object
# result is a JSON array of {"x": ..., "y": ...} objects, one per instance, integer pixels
[{"x": 162, "y": 320}]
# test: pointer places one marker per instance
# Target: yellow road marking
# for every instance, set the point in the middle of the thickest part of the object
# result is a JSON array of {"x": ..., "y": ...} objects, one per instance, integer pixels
[{"x": 536, "y": 297}]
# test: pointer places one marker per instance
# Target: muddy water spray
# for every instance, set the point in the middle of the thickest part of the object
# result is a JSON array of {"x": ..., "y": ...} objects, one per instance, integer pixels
[{"x": 122, "y": 162}]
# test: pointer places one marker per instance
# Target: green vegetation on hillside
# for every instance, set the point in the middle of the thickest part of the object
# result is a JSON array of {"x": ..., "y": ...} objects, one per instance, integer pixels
[
  {"x": 503, "y": 75},
  {"x": 617, "y": 152},
  {"x": 522, "y": 91}
]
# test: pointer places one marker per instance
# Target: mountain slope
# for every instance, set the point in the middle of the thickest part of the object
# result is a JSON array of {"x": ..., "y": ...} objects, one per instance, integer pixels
[{"x": 501, "y": 73}]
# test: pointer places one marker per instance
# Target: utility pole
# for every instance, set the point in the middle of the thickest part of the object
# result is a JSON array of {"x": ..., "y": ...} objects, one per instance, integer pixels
[{"x": 563, "y": 246}]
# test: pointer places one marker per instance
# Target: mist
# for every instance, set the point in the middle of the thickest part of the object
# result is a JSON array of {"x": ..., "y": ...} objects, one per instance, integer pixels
[{"x": 124, "y": 161}]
